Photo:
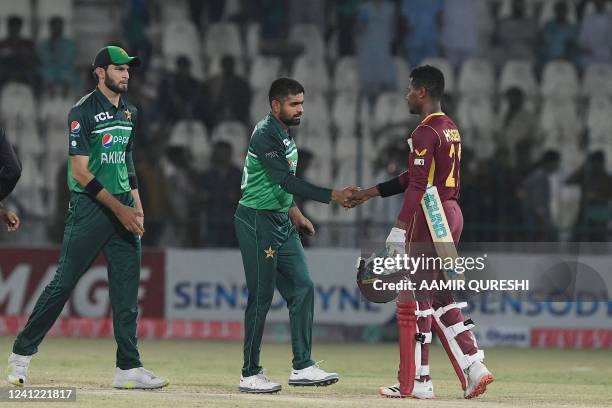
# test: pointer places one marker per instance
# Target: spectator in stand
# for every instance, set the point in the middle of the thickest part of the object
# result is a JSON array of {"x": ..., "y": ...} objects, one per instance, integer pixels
[
  {"x": 153, "y": 191},
  {"x": 596, "y": 195},
  {"x": 421, "y": 25},
  {"x": 375, "y": 35},
  {"x": 228, "y": 95},
  {"x": 308, "y": 12},
  {"x": 56, "y": 55},
  {"x": 516, "y": 132},
  {"x": 345, "y": 20},
  {"x": 135, "y": 28},
  {"x": 180, "y": 93},
  {"x": 596, "y": 34},
  {"x": 221, "y": 187},
  {"x": 559, "y": 37},
  {"x": 17, "y": 55},
  {"x": 537, "y": 195},
  {"x": 460, "y": 34},
  {"x": 515, "y": 36}
]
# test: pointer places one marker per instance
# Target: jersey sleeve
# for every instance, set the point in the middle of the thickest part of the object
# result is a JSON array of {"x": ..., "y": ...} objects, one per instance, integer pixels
[
  {"x": 129, "y": 158},
  {"x": 271, "y": 153},
  {"x": 10, "y": 167},
  {"x": 424, "y": 143},
  {"x": 78, "y": 134}
]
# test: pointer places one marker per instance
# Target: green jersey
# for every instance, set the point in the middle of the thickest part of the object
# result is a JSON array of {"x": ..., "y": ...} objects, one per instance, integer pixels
[
  {"x": 268, "y": 178},
  {"x": 103, "y": 132}
]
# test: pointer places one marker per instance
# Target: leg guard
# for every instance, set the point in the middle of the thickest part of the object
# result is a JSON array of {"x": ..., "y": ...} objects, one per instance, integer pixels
[
  {"x": 406, "y": 323},
  {"x": 447, "y": 334},
  {"x": 423, "y": 339}
]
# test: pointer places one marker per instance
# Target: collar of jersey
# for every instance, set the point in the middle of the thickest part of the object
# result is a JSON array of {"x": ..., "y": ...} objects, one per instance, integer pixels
[
  {"x": 278, "y": 126},
  {"x": 431, "y": 115},
  {"x": 106, "y": 103}
]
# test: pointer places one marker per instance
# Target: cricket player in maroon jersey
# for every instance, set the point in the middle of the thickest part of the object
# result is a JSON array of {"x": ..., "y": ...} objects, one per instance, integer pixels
[{"x": 435, "y": 155}]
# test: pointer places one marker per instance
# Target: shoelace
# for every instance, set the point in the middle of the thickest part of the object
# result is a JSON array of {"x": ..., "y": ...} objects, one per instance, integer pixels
[{"x": 263, "y": 377}]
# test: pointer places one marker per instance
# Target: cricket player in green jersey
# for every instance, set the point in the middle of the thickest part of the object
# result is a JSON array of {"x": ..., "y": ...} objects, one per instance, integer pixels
[
  {"x": 267, "y": 223},
  {"x": 104, "y": 214}
]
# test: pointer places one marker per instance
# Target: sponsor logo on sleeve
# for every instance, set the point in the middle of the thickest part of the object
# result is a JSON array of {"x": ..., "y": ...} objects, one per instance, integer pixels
[
  {"x": 75, "y": 127},
  {"x": 419, "y": 162},
  {"x": 73, "y": 143}
]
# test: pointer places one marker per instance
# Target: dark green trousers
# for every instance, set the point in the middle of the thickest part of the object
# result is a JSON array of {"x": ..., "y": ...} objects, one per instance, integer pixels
[
  {"x": 273, "y": 257},
  {"x": 91, "y": 228}
]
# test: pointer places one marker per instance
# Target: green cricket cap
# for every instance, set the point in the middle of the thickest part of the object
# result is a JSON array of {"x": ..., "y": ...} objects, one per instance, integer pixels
[{"x": 114, "y": 55}]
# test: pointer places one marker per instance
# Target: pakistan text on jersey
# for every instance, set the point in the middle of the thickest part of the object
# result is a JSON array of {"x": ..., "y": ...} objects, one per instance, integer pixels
[{"x": 112, "y": 158}]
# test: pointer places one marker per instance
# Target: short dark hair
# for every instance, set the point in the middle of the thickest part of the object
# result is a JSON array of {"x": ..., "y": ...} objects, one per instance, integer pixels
[
  {"x": 282, "y": 88},
  {"x": 430, "y": 78}
]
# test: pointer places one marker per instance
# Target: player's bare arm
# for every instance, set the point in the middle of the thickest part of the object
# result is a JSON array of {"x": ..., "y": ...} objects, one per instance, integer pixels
[
  {"x": 302, "y": 223},
  {"x": 130, "y": 218},
  {"x": 9, "y": 218}
]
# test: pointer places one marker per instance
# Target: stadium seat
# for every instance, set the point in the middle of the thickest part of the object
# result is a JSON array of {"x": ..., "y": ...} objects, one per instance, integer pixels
[
  {"x": 597, "y": 80},
  {"x": 598, "y": 119},
  {"x": 548, "y": 11},
  {"x": 54, "y": 110},
  {"x": 17, "y": 110},
  {"x": 253, "y": 37},
  {"x": 559, "y": 79},
  {"x": 48, "y": 9},
  {"x": 223, "y": 39},
  {"x": 311, "y": 38},
  {"x": 214, "y": 66},
  {"x": 346, "y": 75},
  {"x": 505, "y": 8},
  {"x": 344, "y": 112},
  {"x": 402, "y": 70},
  {"x": 192, "y": 135},
  {"x": 176, "y": 10},
  {"x": 264, "y": 70},
  {"x": 476, "y": 120},
  {"x": 236, "y": 134},
  {"x": 312, "y": 73},
  {"x": 519, "y": 74},
  {"x": 561, "y": 127},
  {"x": 476, "y": 77},
  {"x": 182, "y": 38},
  {"x": 390, "y": 107},
  {"x": 16, "y": 8},
  {"x": 260, "y": 105},
  {"x": 443, "y": 65}
]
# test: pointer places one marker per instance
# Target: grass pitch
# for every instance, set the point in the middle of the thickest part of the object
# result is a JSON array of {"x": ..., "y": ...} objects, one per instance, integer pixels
[{"x": 206, "y": 374}]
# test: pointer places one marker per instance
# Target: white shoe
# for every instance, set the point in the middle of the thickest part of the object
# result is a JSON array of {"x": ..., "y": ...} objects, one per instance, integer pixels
[
  {"x": 17, "y": 371},
  {"x": 478, "y": 377},
  {"x": 312, "y": 375},
  {"x": 258, "y": 384},
  {"x": 421, "y": 390},
  {"x": 138, "y": 378}
]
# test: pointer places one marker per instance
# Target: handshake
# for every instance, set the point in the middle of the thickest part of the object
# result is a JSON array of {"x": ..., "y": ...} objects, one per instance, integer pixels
[{"x": 352, "y": 196}]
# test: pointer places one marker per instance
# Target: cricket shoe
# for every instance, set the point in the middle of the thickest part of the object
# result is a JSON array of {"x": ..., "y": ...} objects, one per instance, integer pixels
[
  {"x": 138, "y": 378},
  {"x": 421, "y": 390},
  {"x": 17, "y": 371},
  {"x": 311, "y": 376},
  {"x": 258, "y": 384},
  {"x": 478, "y": 377}
]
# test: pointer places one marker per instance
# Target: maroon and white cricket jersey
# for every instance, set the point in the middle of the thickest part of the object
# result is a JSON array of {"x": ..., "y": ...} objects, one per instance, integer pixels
[{"x": 435, "y": 154}]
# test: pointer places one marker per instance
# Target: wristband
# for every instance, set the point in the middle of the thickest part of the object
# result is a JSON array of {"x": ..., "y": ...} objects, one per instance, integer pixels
[
  {"x": 391, "y": 187},
  {"x": 94, "y": 187}
]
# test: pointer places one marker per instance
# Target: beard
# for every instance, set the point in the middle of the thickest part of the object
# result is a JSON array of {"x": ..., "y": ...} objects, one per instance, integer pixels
[
  {"x": 115, "y": 86},
  {"x": 291, "y": 121}
]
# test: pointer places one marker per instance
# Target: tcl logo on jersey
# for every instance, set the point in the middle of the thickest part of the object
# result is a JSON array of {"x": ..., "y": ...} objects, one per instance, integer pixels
[
  {"x": 75, "y": 127},
  {"x": 103, "y": 116},
  {"x": 108, "y": 140}
]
